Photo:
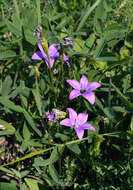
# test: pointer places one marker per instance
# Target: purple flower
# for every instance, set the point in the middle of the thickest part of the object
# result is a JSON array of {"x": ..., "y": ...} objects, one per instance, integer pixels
[
  {"x": 51, "y": 116},
  {"x": 83, "y": 88},
  {"x": 53, "y": 55},
  {"x": 69, "y": 41},
  {"x": 77, "y": 122}
]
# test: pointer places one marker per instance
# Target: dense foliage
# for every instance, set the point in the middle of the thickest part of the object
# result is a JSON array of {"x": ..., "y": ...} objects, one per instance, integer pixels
[{"x": 40, "y": 147}]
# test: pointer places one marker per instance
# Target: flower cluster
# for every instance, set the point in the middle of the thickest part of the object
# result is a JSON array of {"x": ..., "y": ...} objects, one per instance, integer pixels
[{"x": 83, "y": 88}]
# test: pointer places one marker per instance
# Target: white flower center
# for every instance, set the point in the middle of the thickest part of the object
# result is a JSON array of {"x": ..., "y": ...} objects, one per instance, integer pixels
[{"x": 75, "y": 125}]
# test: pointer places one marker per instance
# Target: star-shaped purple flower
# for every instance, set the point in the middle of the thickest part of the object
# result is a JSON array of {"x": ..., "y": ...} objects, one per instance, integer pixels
[
  {"x": 83, "y": 88},
  {"x": 77, "y": 122},
  {"x": 53, "y": 55}
]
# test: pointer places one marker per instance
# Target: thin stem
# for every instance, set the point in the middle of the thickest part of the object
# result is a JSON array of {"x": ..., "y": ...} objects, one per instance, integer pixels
[{"x": 51, "y": 148}]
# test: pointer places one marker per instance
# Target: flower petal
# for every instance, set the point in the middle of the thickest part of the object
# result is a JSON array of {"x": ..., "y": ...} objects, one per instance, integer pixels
[
  {"x": 82, "y": 118},
  {"x": 66, "y": 59},
  {"x": 80, "y": 133},
  {"x": 87, "y": 126},
  {"x": 53, "y": 52},
  {"x": 68, "y": 64},
  {"x": 42, "y": 51},
  {"x": 90, "y": 97},
  {"x": 72, "y": 115},
  {"x": 74, "y": 83},
  {"x": 74, "y": 93},
  {"x": 51, "y": 62},
  {"x": 66, "y": 122},
  {"x": 37, "y": 56},
  {"x": 92, "y": 86},
  {"x": 83, "y": 82}
]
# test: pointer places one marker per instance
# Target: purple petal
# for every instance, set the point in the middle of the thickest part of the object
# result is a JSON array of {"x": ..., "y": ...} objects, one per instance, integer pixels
[
  {"x": 82, "y": 118},
  {"x": 92, "y": 86},
  {"x": 43, "y": 54},
  {"x": 65, "y": 58},
  {"x": 87, "y": 126},
  {"x": 53, "y": 53},
  {"x": 80, "y": 133},
  {"x": 83, "y": 82},
  {"x": 74, "y": 83},
  {"x": 51, "y": 62},
  {"x": 68, "y": 64},
  {"x": 66, "y": 122},
  {"x": 37, "y": 56},
  {"x": 72, "y": 116},
  {"x": 42, "y": 51},
  {"x": 74, "y": 93},
  {"x": 90, "y": 97}
]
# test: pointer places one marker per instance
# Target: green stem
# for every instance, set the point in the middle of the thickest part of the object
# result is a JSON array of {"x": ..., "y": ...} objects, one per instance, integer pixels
[{"x": 49, "y": 149}]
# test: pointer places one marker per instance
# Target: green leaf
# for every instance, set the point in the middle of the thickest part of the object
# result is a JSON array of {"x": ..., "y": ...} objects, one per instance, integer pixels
[
  {"x": 78, "y": 44},
  {"x": 114, "y": 33},
  {"x": 126, "y": 82},
  {"x": 90, "y": 41},
  {"x": 63, "y": 23},
  {"x": 26, "y": 132},
  {"x": 31, "y": 122},
  {"x": 6, "y": 86},
  {"x": 37, "y": 97},
  {"x": 55, "y": 155},
  {"x": 9, "y": 129},
  {"x": 24, "y": 101},
  {"x": 12, "y": 106},
  {"x": 99, "y": 104},
  {"x": 7, "y": 103},
  {"x": 122, "y": 97},
  {"x": 16, "y": 8},
  {"x": 74, "y": 148},
  {"x": 100, "y": 14},
  {"x": 32, "y": 183},
  {"x": 61, "y": 136},
  {"x": 88, "y": 12},
  {"x": 17, "y": 22},
  {"x": 99, "y": 47},
  {"x": 109, "y": 113},
  {"x": 5, "y": 186},
  {"x": 53, "y": 173},
  {"x": 7, "y": 54},
  {"x": 29, "y": 36},
  {"x": 41, "y": 162},
  {"x": 38, "y": 11},
  {"x": 13, "y": 28},
  {"x": 131, "y": 123}
]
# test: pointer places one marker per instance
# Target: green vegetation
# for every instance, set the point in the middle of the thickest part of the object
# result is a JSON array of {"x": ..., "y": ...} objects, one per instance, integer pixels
[{"x": 37, "y": 152}]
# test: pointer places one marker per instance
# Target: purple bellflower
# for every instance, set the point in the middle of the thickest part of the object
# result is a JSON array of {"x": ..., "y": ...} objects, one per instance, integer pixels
[
  {"x": 53, "y": 55},
  {"x": 77, "y": 122},
  {"x": 83, "y": 88}
]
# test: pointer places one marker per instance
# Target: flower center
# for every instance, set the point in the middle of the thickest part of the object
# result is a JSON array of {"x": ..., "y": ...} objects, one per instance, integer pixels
[
  {"x": 75, "y": 125},
  {"x": 82, "y": 91}
]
